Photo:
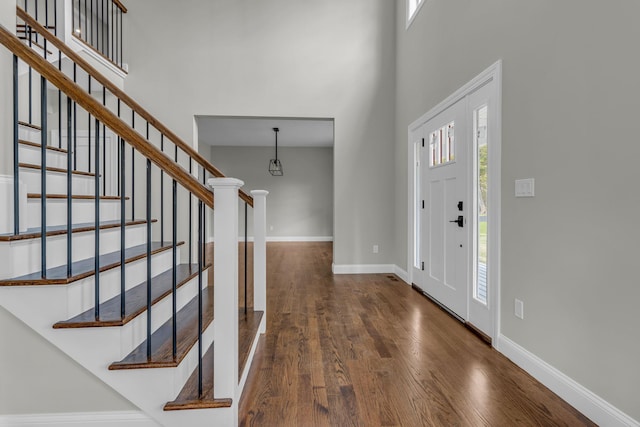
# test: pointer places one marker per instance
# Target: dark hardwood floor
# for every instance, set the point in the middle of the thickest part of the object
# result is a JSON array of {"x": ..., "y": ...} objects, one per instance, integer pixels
[{"x": 367, "y": 350}]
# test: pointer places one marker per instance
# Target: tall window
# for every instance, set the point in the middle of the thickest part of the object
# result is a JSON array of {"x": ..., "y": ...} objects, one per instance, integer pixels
[{"x": 412, "y": 8}]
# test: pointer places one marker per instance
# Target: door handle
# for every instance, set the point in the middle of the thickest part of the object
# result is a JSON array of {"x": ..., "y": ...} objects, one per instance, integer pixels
[{"x": 459, "y": 221}]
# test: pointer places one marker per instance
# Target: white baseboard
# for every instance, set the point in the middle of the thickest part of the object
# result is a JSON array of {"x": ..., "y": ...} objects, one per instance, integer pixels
[
  {"x": 288, "y": 239},
  {"x": 362, "y": 268},
  {"x": 592, "y": 406},
  {"x": 300, "y": 239},
  {"x": 80, "y": 419}
]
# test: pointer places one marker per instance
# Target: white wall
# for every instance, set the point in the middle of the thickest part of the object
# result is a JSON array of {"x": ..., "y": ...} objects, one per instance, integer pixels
[
  {"x": 300, "y": 203},
  {"x": 571, "y": 98},
  {"x": 283, "y": 58}
]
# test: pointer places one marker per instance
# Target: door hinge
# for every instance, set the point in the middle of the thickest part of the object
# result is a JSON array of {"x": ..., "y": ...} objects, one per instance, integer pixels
[
  {"x": 423, "y": 142},
  {"x": 423, "y": 204},
  {"x": 422, "y": 265}
]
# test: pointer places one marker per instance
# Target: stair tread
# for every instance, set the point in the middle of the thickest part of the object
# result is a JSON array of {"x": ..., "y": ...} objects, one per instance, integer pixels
[
  {"x": 135, "y": 300},
  {"x": 53, "y": 169},
  {"x": 189, "y": 397},
  {"x": 86, "y": 267},
  {"x": 56, "y": 230},
  {"x": 35, "y": 144},
  {"x": 162, "y": 338},
  {"x": 73, "y": 196}
]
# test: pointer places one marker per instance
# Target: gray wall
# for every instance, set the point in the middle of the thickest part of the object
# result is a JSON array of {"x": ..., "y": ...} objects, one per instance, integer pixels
[
  {"x": 570, "y": 106},
  {"x": 283, "y": 58},
  {"x": 300, "y": 203},
  {"x": 39, "y": 378}
]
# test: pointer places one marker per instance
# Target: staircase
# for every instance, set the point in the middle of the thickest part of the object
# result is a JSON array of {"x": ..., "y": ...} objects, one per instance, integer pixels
[{"x": 105, "y": 253}]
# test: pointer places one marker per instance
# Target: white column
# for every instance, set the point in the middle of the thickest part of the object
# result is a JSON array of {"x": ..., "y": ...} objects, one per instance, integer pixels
[
  {"x": 260, "y": 253},
  {"x": 225, "y": 285}
]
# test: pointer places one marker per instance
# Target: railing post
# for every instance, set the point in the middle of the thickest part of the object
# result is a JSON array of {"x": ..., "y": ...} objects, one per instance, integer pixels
[
  {"x": 260, "y": 253},
  {"x": 225, "y": 279}
]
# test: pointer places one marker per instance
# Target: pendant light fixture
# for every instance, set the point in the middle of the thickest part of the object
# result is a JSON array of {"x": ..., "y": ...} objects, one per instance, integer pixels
[{"x": 275, "y": 167}]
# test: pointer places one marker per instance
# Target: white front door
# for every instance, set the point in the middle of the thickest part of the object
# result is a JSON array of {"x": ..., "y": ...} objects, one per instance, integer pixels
[
  {"x": 445, "y": 229},
  {"x": 455, "y": 192}
]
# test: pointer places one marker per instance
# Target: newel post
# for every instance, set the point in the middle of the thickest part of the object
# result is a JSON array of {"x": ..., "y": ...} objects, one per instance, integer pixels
[
  {"x": 225, "y": 285},
  {"x": 260, "y": 253}
]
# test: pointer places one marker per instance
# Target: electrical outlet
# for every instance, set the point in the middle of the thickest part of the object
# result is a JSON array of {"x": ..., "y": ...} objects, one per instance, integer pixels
[
  {"x": 271, "y": 228},
  {"x": 519, "y": 309},
  {"x": 375, "y": 249}
]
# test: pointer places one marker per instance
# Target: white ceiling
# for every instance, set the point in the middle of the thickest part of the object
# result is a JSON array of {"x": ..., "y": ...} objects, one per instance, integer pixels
[{"x": 258, "y": 131}]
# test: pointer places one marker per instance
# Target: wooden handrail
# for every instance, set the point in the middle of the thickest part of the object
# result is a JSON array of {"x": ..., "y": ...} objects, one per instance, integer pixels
[
  {"x": 104, "y": 115},
  {"x": 120, "y": 6},
  {"x": 120, "y": 94}
]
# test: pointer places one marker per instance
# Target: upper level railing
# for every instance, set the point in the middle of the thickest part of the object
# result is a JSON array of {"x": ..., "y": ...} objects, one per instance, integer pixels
[{"x": 96, "y": 24}]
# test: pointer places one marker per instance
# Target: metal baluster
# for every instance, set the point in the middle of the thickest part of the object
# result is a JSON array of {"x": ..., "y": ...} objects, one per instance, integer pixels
[
  {"x": 245, "y": 256},
  {"x": 148, "y": 259},
  {"x": 174, "y": 286},
  {"x": 104, "y": 147},
  {"x": 120, "y": 36},
  {"x": 162, "y": 193},
  {"x": 122, "y": 182},
  {"x": 190, "y": 220},
  {"x": 133, "y": 171},
  {"x": 120, "y": 148},
  {"x": 43, "y": 175},
  {"x": 84, "y": 32},
  {"x": 97, "y": 221},
  {"x": 89, "y": 134},
  {"x": 69, "y": 194},
  {"x": 200, "y": 215},
  {"x": 16, "y": 161},
  {"x": 91, "y": 22},
  {"x": 75, "y": 123}
]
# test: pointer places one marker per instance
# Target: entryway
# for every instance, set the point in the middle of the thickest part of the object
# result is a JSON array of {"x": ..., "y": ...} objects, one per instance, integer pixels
[{"x": 455, "y": 202}]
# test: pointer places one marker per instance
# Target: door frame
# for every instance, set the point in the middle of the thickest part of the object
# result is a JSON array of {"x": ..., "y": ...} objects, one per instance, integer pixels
[{"x": 493, "y": 73}]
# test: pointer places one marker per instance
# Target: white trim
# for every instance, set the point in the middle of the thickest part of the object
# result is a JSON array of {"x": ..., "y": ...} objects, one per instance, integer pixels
[
  {"x": 363, "y": 268},
  {"x": 300, "y": 239},
  {"x": 81, "y": 419},
  {"x": 401, "y": 274},
  {"x": 287, "y": 239},
  {"x": 493, "y": 72},
  {"x": 588, "y": 403}
]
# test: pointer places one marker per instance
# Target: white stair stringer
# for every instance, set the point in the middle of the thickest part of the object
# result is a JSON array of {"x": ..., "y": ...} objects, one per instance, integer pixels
[{"x": 96, "y": 348}]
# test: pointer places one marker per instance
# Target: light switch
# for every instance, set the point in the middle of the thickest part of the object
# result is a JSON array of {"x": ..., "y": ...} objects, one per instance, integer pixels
[{"x": 525, "y": 187}]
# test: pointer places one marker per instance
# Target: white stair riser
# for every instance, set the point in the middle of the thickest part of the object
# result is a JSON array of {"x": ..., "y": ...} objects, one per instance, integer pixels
[
  {"x": 82, "y": 211},
  {"x": 80, "y": 294},
  {"x": 32, "y": 156},
  {"x": 27, "y": 133},
  {"x": 57, "y": 182},
  {"x": 23, "y": 256}
]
